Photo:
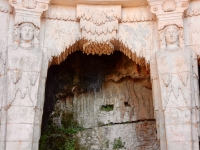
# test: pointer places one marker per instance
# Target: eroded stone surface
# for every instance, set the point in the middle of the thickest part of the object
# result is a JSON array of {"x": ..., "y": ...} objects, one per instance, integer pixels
[
  {"x": 134, "y": 136},
  {"x": 98, "y": 91}
]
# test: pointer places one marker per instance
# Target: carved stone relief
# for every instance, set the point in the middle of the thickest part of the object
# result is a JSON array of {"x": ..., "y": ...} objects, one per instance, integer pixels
[
  {"x": 24, "y": 67},
  {"x": 135, "y": 35},
  {"x": 169, "y": 5},
  {"x": 98, "y": 21},
  {"x": 25, "y": 62},
  {"x": 179, "y": 103},
  {"x": 30, "y": 4},
  {"x": 59, "y": 35}
]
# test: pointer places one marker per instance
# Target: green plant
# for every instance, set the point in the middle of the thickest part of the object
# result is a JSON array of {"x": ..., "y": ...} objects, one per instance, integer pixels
[
  {"x": 118, "y": 143},
  {"x": 55, "y": 138},
  {"x": 69, "y": 144},
  {"x": 107, "y": 108}
]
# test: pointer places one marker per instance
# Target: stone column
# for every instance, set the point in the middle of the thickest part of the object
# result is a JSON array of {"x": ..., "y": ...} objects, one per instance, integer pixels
[
  {"x": 174, "y": 72},
  {"x": 22, "y": 119}
]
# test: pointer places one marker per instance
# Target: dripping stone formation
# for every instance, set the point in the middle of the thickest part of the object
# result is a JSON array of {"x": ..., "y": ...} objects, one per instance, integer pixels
[{"x": 99, "y": 75}]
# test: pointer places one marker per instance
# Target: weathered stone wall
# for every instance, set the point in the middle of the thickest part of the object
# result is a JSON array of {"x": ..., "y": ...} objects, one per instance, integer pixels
[{"x": 109, "y": 96}]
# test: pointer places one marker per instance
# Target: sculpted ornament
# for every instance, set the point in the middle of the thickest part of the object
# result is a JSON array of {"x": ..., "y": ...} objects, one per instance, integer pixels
[
  {"x": 169, "y": 5},
  {"x": 179, "y": 101},
  {"x": 24, "y": 63}
]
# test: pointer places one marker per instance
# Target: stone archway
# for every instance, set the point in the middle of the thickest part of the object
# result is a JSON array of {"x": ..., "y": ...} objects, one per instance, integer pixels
[
  {"x": 105, "y": 94},
  {"x": 139, "y": 30}
]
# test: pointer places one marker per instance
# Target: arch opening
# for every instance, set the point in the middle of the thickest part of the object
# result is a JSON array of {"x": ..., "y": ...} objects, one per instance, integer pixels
[
  {"x": 93, "y": 48},
  {"x": 97, "y": 96}
]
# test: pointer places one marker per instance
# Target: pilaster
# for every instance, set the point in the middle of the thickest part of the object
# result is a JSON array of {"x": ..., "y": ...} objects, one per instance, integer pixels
[
  {"x": 24, "y": 65},
  {"x": 175, "y": 80}
]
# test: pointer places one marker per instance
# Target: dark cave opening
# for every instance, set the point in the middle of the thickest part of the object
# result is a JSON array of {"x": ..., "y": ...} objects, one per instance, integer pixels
[{"x": 84, "y": 79}]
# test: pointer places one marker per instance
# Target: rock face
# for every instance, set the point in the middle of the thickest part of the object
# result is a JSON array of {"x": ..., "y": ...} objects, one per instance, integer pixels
[
  {"x": 134, "y": 136},
  {"x": 109, "y": 96}
]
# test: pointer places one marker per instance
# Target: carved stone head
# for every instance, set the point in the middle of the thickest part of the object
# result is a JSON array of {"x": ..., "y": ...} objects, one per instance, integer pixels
[
  {"x": 171, "y": 34},
  {"x": 171, "y": 37},
  {"x": 26, "y": 32},
  {"x": 26, "y": 35}
]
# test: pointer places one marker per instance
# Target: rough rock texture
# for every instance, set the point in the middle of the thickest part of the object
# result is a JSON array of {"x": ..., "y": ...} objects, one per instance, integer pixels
[
  {"x": 110, "y": 96},
  {"x": 135, "y": 136}
]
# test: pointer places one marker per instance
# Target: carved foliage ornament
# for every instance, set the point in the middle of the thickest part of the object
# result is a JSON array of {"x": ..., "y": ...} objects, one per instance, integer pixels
[{"x": 169, "y": 5}]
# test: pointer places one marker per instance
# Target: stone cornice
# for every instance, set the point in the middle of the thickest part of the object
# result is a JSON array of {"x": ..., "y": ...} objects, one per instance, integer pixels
[
  {"x": 137, "y": 14},
  {"x": 57, "y": 12},
  {"x": 30, "y": 5},
  {"x": 131, "y": 14}
]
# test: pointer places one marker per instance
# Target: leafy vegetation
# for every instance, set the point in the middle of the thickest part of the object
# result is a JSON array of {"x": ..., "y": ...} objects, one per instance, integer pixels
[
  {"x": 118, "y": 143},
  {"x": 55, "y": 138},
  {"x": 107, "y": 108}
]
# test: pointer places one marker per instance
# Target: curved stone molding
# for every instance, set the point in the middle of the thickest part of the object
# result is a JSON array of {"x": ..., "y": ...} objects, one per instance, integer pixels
[
  {"x": 169, "y": 5},
  {"x": 134, "y": 39},
  {"x": 96, "y": 48},
  {"x": 99, "y": 23},
  {"x": 137, "y": 14},
  {"x": 65, "y": 13}
]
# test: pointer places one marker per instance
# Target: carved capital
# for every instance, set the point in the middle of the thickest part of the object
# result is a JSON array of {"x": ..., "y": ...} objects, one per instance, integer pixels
[
  {"x": 29, "y": 10},
  {"x": 168, "y": 11},
  {"x": 30, "y": 5}
]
